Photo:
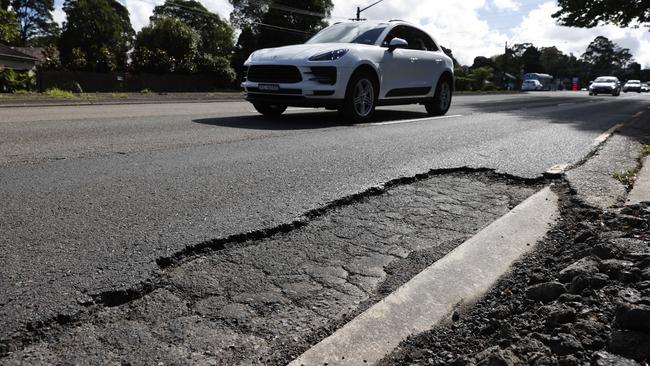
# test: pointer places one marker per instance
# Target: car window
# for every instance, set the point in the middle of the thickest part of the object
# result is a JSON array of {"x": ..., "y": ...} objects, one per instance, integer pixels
[
  {"x": 416, "y": 39},
  {"x": 357, "y": 32}
]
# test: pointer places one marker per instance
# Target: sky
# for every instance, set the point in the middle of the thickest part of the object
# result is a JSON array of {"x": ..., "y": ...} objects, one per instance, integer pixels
[{"x": 469, "y": 27}]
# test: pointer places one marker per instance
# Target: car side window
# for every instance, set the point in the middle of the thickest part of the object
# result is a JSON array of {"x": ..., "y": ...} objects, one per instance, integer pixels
[
  {"x": 428, "y": 42},
  {"x": 397, "y": 32}
]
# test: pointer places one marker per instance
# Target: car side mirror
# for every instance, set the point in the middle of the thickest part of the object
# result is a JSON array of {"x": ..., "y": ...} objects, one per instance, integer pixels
[{"x": 397, "y": 43}]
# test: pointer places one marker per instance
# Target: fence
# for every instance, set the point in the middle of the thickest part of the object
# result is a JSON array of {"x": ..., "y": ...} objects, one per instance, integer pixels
[{"x": 125, "y": 82}]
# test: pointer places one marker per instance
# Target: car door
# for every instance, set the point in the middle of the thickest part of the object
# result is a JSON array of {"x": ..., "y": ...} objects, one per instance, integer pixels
[
  {"x": 428, "y": 64},
  {"x": 409, "y": 71},
  {"x": 397, "y": 67}
]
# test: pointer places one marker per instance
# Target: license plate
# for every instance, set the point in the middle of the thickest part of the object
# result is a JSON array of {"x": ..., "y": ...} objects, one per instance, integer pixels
[{"x": 269, "y": 87}]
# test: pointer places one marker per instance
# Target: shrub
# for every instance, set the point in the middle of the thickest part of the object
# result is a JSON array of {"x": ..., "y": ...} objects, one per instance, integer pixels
[{"x": 11, "y": 80}]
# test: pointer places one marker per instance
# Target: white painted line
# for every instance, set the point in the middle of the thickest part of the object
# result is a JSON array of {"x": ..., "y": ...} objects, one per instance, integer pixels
[
  {"x": 638, "y": 114},
  {"x": 430, "y": 297},
  {"x": 570, "y": 103},
  {"x": 407, "y": 120},
  {"x": 605, "y": 135}
]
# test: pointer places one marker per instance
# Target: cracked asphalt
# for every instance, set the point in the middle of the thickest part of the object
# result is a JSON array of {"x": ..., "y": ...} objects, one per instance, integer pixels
[
  {"x": 266, "y": 301},
  {"x": 93, "y": 196}
]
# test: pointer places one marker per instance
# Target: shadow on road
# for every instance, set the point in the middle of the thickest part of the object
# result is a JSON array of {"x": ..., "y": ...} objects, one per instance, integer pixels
[{"x": 311, "y": 119}]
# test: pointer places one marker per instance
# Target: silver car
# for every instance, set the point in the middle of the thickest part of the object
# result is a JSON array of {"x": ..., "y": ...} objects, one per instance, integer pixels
[{"x": 605, "y": 85}]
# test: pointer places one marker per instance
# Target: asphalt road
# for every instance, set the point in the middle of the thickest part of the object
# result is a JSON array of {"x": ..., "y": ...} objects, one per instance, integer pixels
[{"x": 92, "y": 196}]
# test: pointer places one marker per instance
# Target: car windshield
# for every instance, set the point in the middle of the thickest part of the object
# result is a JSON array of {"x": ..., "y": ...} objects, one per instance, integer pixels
[
  {"x": 634, "y": 82},
  {"x": 358, "y": 32},
  {"x": 605, "y": 80}
]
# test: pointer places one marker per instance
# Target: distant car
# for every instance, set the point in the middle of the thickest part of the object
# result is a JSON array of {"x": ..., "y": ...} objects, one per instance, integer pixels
[
  {"x": 353, "y": 67},
  {"x": 645, "y": 87},
  {"x": 605, "y": 85},
  {"x": 632, "y": 85},
  {"x": 529, "y": 85}
]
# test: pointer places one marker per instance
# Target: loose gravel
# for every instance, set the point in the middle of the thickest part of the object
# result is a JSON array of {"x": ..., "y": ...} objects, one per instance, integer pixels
[{"x": 582, "y": 298}]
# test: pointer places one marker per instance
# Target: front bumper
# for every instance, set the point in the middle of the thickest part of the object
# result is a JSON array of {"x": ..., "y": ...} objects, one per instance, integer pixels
[
  {"x": 605, "y": 90},
  {"x": 310, "y": 91}
]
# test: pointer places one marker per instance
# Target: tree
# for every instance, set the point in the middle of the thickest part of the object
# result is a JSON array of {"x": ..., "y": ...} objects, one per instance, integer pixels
[
  {"x": 166, "y": 45},
  {"x": 267, "y": 23},
  {"x": 101, "y": 32},
  {"x": 590, "y": 13},
  {"x": 481, "y": 61},
  {"x": 9, "y": 31},
  {"x": 216, "y": 34},
  {"x": 34, "y": 18},
  {"x": 606, "y": 58}
]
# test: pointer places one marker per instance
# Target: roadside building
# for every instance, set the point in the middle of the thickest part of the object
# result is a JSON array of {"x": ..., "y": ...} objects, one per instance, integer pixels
[{"x": 11, "y": 58}]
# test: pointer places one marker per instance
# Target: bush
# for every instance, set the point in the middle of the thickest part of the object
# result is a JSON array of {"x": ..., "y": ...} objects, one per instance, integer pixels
[
  {"x": 219, "y": 67},
  {"x": 11, "y": 80}
]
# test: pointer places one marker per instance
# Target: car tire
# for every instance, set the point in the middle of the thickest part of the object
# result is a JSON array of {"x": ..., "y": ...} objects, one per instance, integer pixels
[
  {"x": 270, "y": 110},
  {"x": 441, "y": 101},
  {"x": 360, "y": 98}
]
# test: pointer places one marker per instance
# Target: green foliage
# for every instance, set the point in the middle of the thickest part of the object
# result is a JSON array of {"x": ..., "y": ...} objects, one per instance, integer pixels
[
  {"x": 218, "y": 66},
  {"x": 215, "y": 34},
  {"x": 626, "y": 176},
  {"x": 11, "y": 80},
  {"x": 58, "y": 93},
  {"x": 52, "y": 60},
  {"x": 166, "y": 45},
  {"x": 34, "y": 19},
  {"x": 606, "y": 58},
  {"x": 9, "y": 31},
  {"x": 119, "y": 96},
  {"x": 146, "y": 91},
  {"x": 100, "y": 30},
  {"x": 482, "y": 75},
  {"x": 591, "y": 13}
]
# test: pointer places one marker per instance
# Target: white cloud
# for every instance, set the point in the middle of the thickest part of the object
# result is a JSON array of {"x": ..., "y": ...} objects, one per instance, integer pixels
[{"x": 511, "y": 5}]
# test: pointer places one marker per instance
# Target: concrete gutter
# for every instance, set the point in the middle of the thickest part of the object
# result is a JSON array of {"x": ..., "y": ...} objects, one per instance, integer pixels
[
  {"x": 462, "y": 276},
  {"x": 641, "y": 190},
  {"x": 17, "y": 102}
]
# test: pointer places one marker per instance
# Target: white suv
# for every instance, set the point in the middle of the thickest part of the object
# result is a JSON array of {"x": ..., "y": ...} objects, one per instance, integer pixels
[{"x": 352, "y": 67}]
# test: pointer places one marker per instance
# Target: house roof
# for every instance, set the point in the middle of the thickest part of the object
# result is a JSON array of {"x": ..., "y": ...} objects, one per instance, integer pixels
[{"x": 6, "y": 51}]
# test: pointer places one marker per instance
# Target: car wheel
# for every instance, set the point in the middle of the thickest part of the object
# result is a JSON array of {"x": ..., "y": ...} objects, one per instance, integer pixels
[
  {"x": 441, "y": 101},
  {"x": 270, "y": 110},
  {"x": 360, "y": 98}
]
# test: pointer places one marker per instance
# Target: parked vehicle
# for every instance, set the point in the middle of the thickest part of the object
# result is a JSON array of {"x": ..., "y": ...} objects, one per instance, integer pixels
[
  {"x": 545, "y": 80},
  {"x": 530, "y": 85},
  {"x": 632, "y": 85},
  {"x": 605, "y": 85},
  {"x": 645, "y": 87},
  {"x": 353, "y": 67}
]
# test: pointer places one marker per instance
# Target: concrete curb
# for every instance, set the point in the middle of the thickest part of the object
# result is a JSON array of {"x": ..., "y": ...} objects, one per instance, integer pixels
[
  {"x": 429, "y": 298},
  {"x": 641, "y": 190},
  {"x": 85, "y": 102}
]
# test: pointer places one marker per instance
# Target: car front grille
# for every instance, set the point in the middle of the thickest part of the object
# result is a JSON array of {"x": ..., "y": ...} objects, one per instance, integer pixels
[{"x": 274, "y": 74}]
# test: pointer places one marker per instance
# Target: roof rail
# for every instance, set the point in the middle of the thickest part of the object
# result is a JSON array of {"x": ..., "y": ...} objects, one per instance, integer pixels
[{"x": 398, "y": 20}]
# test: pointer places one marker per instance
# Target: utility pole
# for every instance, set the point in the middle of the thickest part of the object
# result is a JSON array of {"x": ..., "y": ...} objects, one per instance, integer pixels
[
  {"x": 505, "y": 67},
  {"x": 359, "y": 10}
]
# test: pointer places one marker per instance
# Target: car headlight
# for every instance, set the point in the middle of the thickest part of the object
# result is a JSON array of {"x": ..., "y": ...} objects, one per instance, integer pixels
[{"x": 329, "y": 56}]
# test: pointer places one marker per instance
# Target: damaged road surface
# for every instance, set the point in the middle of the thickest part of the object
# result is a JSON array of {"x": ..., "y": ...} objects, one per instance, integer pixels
[
  {"x": 265, "y": 301},
  {"x": 107, "y": 210}
]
